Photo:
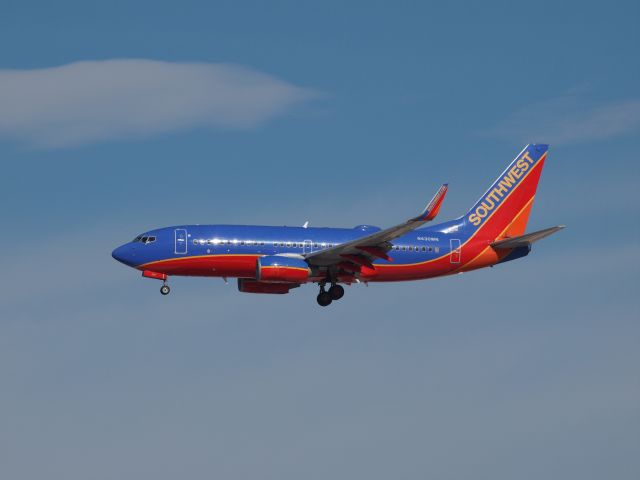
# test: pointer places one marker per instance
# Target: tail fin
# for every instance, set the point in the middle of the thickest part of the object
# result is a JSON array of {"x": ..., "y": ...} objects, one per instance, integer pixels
[{"x": 503, "y": 210}]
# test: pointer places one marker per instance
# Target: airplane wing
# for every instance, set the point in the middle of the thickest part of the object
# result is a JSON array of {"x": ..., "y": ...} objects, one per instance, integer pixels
[
  {"x": 527, "y": 239},
  {"x": 362, "y": 251}
]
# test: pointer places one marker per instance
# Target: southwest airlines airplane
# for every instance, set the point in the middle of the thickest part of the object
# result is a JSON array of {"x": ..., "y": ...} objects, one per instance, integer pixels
[{"x": 276, "y": 259}]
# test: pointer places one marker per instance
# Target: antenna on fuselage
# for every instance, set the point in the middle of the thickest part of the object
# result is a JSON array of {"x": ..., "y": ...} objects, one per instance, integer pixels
[{"x": 306, "y": 224}]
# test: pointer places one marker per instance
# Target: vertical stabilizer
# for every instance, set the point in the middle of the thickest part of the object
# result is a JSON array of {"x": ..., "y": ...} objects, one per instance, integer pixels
[{"x": 503, "y": 210}]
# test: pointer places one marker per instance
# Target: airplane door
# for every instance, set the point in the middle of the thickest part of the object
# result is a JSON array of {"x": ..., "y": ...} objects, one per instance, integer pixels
[
  {"x": 307, "y": 246},
  {"x": 456, "y": 251},
  {"x": 181, "y": 241}
]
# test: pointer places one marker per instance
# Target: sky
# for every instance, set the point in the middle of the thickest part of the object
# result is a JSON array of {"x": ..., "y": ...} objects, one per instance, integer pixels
[{"x": 118, "y": 117}]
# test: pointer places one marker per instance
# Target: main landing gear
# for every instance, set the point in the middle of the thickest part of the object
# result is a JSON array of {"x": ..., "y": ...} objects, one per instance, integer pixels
[
  {"x": 335, "y": 292},
  {"x": 164, "y": 289}
]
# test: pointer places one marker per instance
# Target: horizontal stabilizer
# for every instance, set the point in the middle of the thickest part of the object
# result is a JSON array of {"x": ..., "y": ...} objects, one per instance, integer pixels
[{"x": 527, "y": 239}]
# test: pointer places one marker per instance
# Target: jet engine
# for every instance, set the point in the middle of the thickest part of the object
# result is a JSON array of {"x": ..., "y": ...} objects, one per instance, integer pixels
[
  {"x": 252, "y": 286},
  {"x": 276, "y": 268}
]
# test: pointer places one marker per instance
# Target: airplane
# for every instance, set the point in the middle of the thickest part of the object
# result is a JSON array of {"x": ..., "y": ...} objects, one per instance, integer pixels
[{"x": 275, "y": 260}]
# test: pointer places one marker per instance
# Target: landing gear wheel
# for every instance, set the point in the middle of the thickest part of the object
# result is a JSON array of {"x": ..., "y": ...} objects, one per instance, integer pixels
[
  {"x": 336, "y": 291},
  {"x": 324, "y": 299},
  {"x": 164, "y": 289}
]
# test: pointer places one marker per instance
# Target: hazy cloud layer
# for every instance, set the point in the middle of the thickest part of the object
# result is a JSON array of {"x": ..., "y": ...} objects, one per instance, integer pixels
[
  {"x": 93, "y": 101},
  {"x": 568, "y": 120}
]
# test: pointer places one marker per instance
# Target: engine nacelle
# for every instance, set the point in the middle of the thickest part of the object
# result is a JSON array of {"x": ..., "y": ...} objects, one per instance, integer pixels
[
  {"x": 253, "y": 286},
  {"x": 275, "y": 268}
]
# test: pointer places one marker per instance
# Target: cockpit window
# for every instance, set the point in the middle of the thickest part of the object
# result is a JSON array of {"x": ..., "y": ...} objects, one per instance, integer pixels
[{"x": 144, "y": 239}]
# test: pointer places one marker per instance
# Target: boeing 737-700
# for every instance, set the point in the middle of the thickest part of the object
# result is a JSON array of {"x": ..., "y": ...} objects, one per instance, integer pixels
[{"x": 274, "y": 260}]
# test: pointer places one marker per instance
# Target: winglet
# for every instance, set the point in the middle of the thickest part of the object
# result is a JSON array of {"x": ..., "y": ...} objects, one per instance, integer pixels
[{"x": 433, "y": 207}]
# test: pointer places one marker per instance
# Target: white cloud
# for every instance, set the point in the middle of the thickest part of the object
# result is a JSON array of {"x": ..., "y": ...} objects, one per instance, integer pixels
[
  {"x": 91, "y": 101},
  {"x": 568, "y": 120}
]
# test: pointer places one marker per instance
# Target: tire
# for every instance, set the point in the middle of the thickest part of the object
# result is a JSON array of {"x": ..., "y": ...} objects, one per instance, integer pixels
[
  {"x": 164, "y": 290},
  {"x": 336, "y": 292},
  {"x": 324, "y": 299}
]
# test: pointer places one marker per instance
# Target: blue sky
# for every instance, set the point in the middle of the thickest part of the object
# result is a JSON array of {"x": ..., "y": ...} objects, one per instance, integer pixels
[{"x": 124, "y": 116}]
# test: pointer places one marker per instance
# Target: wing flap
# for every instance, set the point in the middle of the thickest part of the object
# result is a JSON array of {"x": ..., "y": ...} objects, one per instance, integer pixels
[{"x": 527, "y": 239}]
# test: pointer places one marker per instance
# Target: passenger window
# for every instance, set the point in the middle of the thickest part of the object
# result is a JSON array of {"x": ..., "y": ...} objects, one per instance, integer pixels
[
  {"x": 195, "y": 242},
  {"x": 424, "y": 249},
  {"x": 288, "y": 244},
  {"x": 404, "y": 249}
]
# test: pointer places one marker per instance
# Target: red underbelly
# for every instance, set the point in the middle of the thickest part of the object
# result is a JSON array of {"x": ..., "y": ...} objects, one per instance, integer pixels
[{"x": 207, "y": 266}]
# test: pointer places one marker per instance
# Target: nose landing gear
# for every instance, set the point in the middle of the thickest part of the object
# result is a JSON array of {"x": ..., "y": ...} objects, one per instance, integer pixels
[{"x": 164, "y": 289}]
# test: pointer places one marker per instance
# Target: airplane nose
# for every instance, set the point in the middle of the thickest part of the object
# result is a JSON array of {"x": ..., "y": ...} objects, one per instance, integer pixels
[{"x": 121, "y": 254}]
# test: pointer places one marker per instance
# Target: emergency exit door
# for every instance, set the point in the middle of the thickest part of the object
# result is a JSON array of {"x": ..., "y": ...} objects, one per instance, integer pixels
[
  {"x": 456, "y": 250},
  {"x": 181, "y": 241}
]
